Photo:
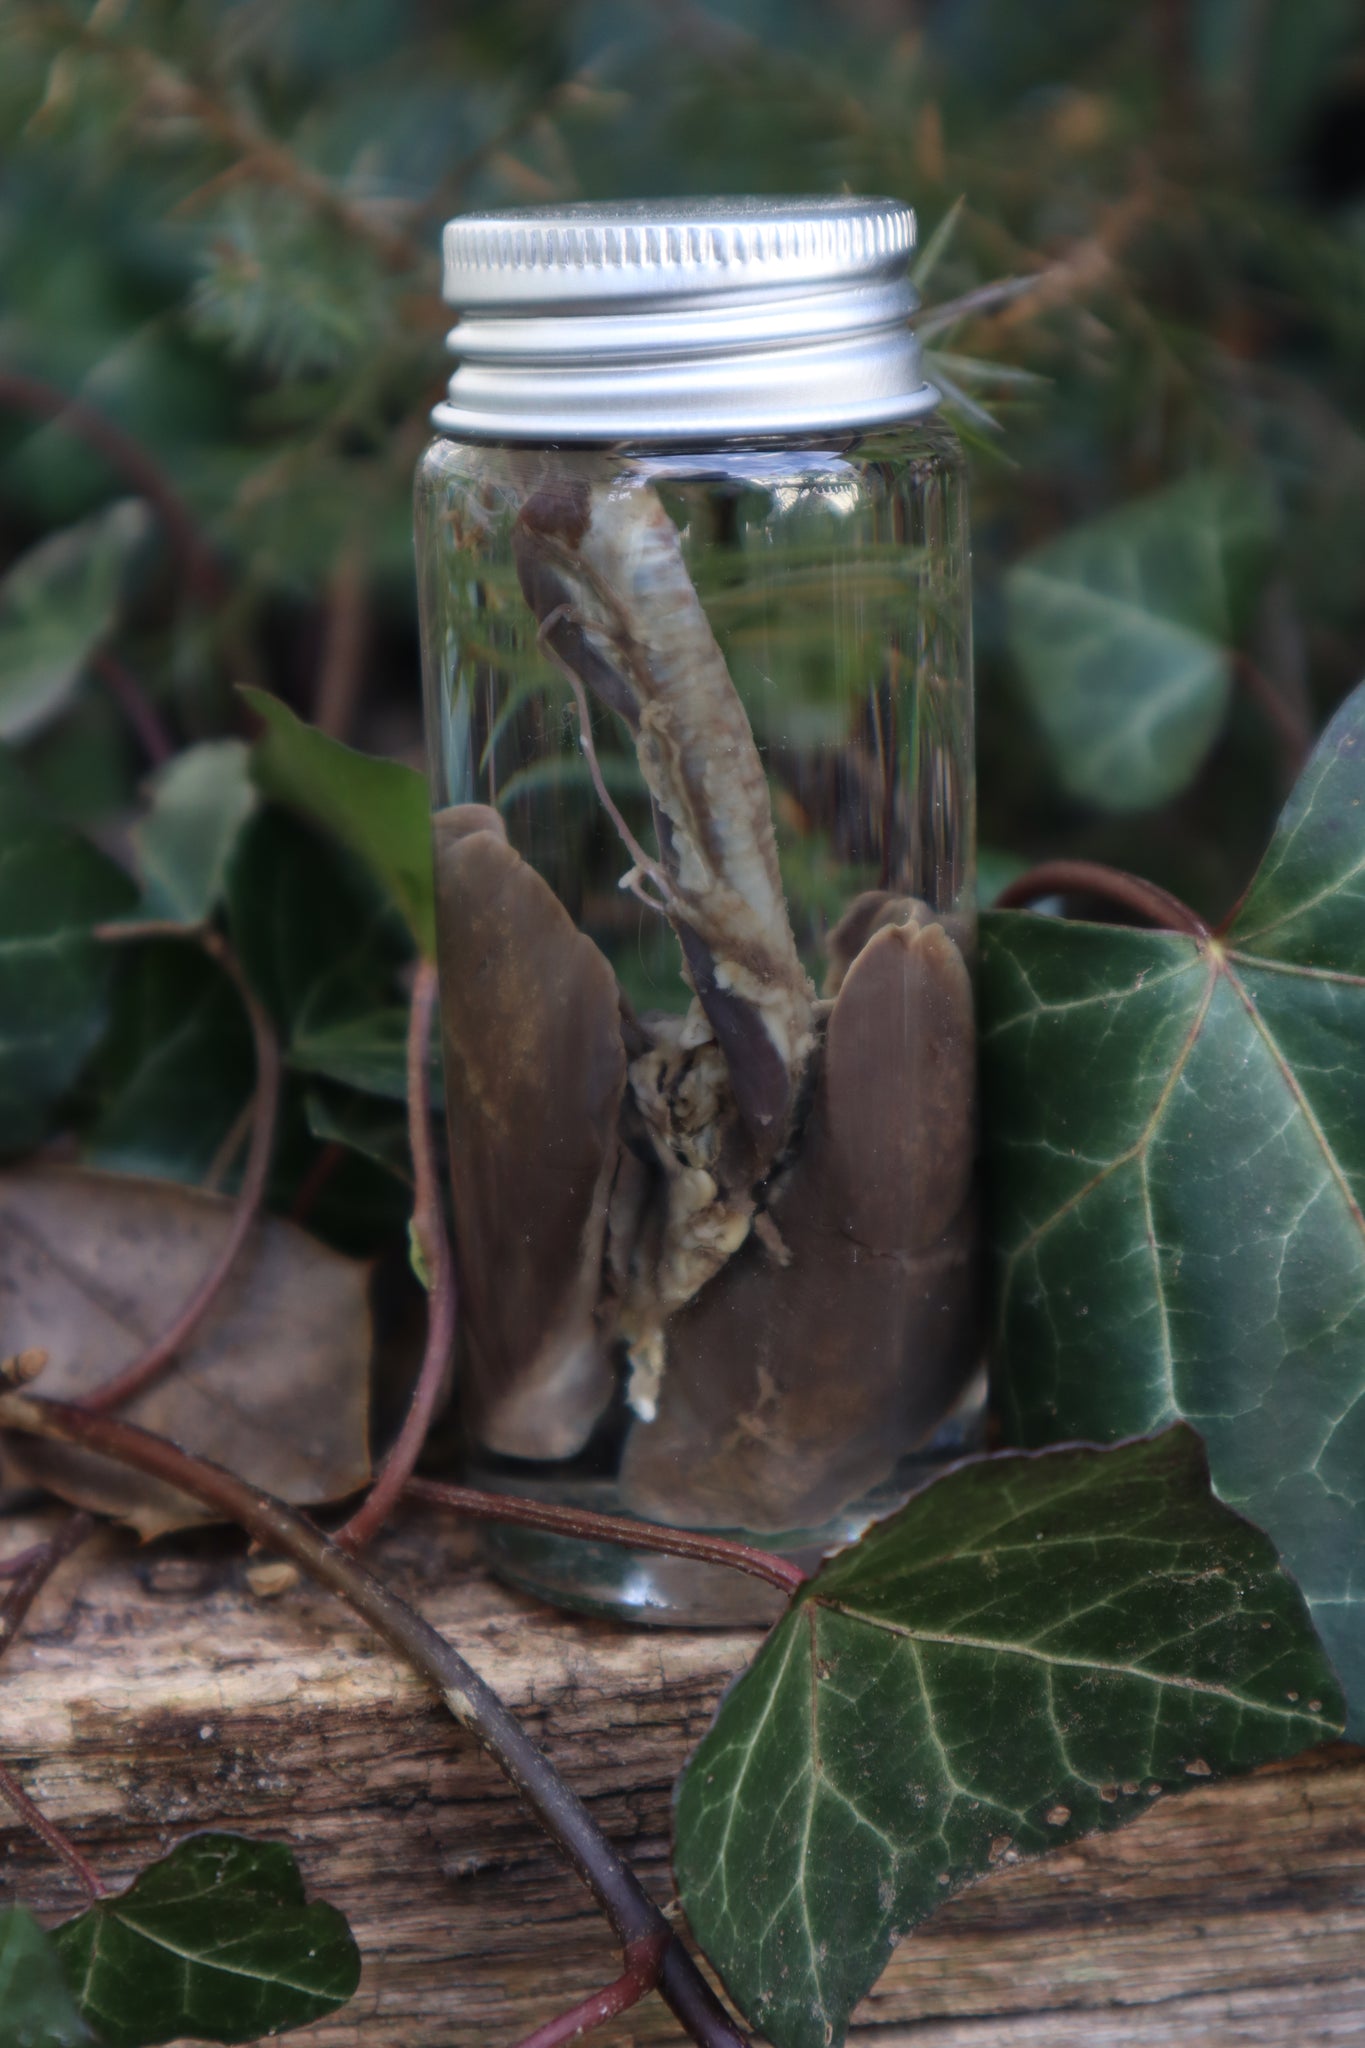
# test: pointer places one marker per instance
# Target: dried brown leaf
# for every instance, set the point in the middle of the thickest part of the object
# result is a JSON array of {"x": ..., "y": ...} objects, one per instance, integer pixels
[{"x": 274, "y": 1382}]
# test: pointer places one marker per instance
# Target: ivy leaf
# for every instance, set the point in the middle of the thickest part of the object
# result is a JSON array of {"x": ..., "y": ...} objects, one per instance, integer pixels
[
  {"x": 216, "y": 1941},
  {"x": 36, "y": 2007},
  {"x": 368, "y": 1052},
  {"x": 1120, "y": 629},
  {"x": 57, "y": 602},
  {"x": 54, "y": 974},
  {"x": 1178, "y": 1160},
  {"x": 1028, "y": 1651},
  {"x": 319, "y": 938},
  {"x": 200, "y": 802},
  {"x": 379, "y": 808},
  {"x": 175, "y": 1069}
]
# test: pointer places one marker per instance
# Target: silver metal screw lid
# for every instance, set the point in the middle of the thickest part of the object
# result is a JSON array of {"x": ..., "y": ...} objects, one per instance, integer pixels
[{"x": 682, "y": 320}]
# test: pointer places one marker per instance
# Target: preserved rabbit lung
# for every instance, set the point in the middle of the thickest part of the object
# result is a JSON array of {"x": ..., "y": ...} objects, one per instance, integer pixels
[
  {"x": 760, "y": 1211},
  {"x": 535, "y": 1071}
]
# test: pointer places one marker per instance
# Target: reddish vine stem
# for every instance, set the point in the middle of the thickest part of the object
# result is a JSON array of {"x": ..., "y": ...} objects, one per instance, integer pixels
[
  {"x": 33, "y": 1570},
  {"x": 632, "y": 1914},
  {"x": 644, "y": 1959},
  {"x": 41, "y": 400},
  {"x": 588, "y": 1527},
  {"x": 62, "y": 1847},
  {"x": 151, "y": 1364},
  {"x": 433, "y": 1243},
  {"x": 136, "y": 706},
  {"x": 14, "y": 1567},
  {"x": 1156, "y": 906}
]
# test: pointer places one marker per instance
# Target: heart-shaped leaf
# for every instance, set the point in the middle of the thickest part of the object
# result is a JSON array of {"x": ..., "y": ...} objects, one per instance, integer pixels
[
  {"x": 216, "y": 1942},
  {"x": 319, "y": 936},
  {"x": 1030, "y": 1650},
  {"x": 36, "y": 2007},
  {"x": 274, "y": 1382},
  {"x": 54, "y": 974},
  {"x": 199, "y": 803},
  {"x": 1121, "y": 629},
  {"x": 57, "y": 602},
  {"x": 378, "y": 808},
  {"x": 369, "y": 1053},
  {"x": 1178, "y": 1149}
]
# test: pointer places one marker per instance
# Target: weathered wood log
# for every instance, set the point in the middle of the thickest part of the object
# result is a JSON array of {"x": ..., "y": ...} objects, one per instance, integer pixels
[{"x": 152, "y": 1694}]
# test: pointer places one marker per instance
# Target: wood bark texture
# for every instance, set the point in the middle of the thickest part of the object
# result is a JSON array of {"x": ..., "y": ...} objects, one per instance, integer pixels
[{"x": 153, "y": 1694}]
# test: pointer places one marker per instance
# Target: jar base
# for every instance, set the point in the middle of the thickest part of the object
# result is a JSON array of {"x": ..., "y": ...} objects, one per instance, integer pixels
[{"x": 652, "y": 1589}]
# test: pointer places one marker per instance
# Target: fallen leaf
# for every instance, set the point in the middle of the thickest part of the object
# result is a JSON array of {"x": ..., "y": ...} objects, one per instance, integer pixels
[
  {"x": 274, "y": 1382},
  {"x": 973, "y": 1679},
  {"x": 215, "y": 1941},
  {"x": 1178, "y": 1164}
]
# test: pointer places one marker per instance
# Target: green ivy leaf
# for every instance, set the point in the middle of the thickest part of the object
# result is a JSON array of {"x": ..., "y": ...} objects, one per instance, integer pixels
[
  {"x": 36, "y": 2007},
  {"x": 200, "y": 802},
  {"x": 1027, "y": 1652},
  {"x": 1178, "y": 1160},
  {"x": 379, "y": 808},
  {"x": 54, "y": 974},
  {"x": 319, "y": 937},
  {"x": 1120, "y": 629},
  {"x": 215, "y": 1941},
  {"x": 57, "y": 602},
  {"x": 369, "y": 1053},
  {"x": 175, "y": 1069}
]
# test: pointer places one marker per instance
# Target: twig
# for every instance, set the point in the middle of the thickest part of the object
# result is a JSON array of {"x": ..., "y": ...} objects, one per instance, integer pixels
[
  {"x": 225, "y": 1158},
  {"x": 151, "y": 1364},
  {"x": 582, "y": 86},
  {"x": 1156, "y": 906},
  {"x": 341, "y": 668},
  {"x": 168, "y": 91},
  {"x": 30, "y": 1572},
  {"x": 47, "y": 1831},
  {"x": 644, "y": 1959},
  {"x": 44, "y": 401},
  {"x": 13, "y": 1567},
  {"x": 588, "y": 1527},
  {"x": 987, "y": 298},
  {"x": 136, "y": 706},
  {"x": 429, "y": 1229},
  {"x": 633, "y": 1916}
]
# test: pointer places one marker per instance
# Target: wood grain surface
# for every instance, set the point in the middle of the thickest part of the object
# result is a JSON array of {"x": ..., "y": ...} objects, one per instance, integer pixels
[{"x": 153, "y": 1694}]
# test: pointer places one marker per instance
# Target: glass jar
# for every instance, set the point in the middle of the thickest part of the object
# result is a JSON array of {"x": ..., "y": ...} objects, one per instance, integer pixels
[{"x": 693, "y": 569}]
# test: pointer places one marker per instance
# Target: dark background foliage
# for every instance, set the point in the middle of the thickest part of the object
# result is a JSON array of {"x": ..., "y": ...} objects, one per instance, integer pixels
[{"x": 219, "y": 228}]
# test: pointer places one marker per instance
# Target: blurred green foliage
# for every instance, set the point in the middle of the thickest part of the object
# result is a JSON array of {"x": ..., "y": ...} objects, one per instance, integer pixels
[{"x": 219, "y": 226}]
